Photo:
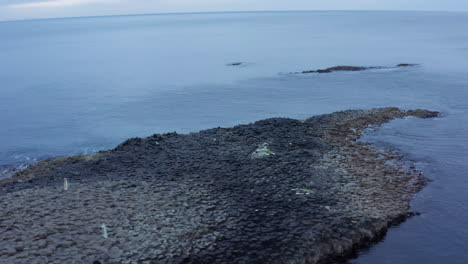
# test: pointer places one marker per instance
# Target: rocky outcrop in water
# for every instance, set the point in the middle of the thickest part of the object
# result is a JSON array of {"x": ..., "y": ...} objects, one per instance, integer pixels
[
  {"x": 236, "y": 64},
  {"x": 406, "y": 65},
  {"x": 276, "y": 191},
  {"x": 338, "y": 68},
  {"x": 355, "y": 68}
]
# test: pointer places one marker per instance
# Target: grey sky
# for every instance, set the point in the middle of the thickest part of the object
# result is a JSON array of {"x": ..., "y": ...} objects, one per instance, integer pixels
[{"x": 28, "y": 9}]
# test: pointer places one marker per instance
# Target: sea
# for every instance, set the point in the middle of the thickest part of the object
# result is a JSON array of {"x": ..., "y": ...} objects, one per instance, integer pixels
[{"x": 79, "y": 85}]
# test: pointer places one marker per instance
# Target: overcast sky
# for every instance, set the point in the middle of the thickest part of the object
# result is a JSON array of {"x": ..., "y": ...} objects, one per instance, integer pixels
[{"x": 28, "y": 9}]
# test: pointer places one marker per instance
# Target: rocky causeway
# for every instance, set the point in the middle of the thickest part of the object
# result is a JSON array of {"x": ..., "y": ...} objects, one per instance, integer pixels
[{"x": 275, "y": 191}]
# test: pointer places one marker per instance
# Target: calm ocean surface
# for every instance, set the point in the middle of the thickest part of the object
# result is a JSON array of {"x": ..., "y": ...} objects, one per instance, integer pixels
[{"x": 75, "y": 86}]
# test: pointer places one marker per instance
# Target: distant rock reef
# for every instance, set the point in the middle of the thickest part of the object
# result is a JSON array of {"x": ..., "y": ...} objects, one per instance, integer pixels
[
  {"x": 238, "y": 64},
  {"x": 355, "y": 68},
  {"x": 278, "y": 190}
]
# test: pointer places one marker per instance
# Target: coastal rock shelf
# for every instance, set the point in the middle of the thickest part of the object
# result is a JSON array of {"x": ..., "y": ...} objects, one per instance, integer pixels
[{"x": 276, "y": 191}]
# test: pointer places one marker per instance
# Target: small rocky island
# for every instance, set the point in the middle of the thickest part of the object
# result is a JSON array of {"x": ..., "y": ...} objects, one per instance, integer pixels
[
  {"x": 356, "y": 68},
  {"x": 275, "y": 191}
]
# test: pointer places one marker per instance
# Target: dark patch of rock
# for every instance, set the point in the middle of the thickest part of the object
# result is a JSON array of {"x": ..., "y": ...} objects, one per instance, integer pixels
[
  {"x": 236, "y": 64},
  {"x": 406, "y": 65},
  {"x": 354, "y": 68},
  {"x": 338, "y": 68}
]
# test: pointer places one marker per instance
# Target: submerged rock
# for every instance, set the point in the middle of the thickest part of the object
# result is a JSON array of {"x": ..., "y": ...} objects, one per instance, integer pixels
[
  {"x": 216, "y": 196},
  {"x": 236, "y": 64},
  {"x": 406, "y": 65}
]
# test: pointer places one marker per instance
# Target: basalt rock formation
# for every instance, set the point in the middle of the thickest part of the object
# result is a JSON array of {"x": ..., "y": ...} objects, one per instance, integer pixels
[
  {"x": 275, "y": 191},
  {"x": 355, "y": 68},
  {"x": 338, "y": 68}
]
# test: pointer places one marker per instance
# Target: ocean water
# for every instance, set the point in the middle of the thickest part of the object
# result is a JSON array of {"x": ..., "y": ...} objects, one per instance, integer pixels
[{"x": 76, "y": 86}]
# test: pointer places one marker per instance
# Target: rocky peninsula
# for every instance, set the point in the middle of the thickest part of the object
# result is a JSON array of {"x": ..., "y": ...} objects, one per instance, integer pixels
[{"x": 275, "y": 191}]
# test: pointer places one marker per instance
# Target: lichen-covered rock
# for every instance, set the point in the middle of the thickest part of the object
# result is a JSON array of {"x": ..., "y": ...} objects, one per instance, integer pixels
[
  {"x": 262, "y": 152},
  {"x": 216, "y": 196}
]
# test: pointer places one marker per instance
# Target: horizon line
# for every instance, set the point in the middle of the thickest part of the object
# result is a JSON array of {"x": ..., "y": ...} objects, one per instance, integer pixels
[{"x": 232, "y": 12}]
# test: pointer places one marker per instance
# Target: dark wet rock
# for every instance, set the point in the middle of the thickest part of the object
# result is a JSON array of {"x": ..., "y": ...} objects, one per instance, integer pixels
[
  {"x": 355, "y": 68},
  {"x": 423, "y": 113},
  {"x": 338, "y": 68},
  {"x": 406, "y": 65},
  {"x": 275, "y": 191},
  {"x": 236, "y": 64}
]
